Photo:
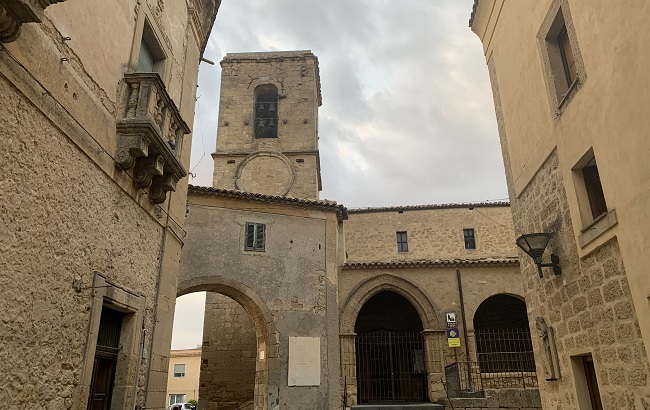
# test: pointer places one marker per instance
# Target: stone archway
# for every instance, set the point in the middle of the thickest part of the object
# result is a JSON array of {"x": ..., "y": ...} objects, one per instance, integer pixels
[
  {"x": 433, "y": 332},
  {"x": 267, "y": 363},
  {"x": 503, "y": 341}
]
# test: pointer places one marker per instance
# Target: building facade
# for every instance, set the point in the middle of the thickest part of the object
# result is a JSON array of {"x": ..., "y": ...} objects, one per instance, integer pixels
[
  {"x": 374, "y": 286},
  {"x": 95, "y": 98},
  {"x": 569, "y": 80},
  {"x": 183, "y": 375}
]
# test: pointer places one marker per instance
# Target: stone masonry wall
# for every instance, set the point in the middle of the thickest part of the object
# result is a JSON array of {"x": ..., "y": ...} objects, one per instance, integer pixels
[
  {"x": 589, "y": 306},
  {"x": 62, "y": 218},
  {"x": 510, "y": 399},
  {"x": 431, "y": 233},
  {"x": 228, "y": 356},
  {"x": 295, "y": 74}
]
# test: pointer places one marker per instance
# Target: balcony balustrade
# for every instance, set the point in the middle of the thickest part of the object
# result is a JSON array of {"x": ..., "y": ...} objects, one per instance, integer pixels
[{"x": 150, "y": 136}]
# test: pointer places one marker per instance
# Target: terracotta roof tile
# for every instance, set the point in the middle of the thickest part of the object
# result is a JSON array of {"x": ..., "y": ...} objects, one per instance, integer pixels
[
  {"x": 433, "y": 206},
  {"x": 324, "y": 205},
  {"x": 432, "y": 263}
]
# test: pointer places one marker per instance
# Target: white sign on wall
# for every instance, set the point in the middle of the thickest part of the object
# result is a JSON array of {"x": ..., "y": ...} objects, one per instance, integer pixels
[
  {"x": 304, "y": 361},
  {"x": 451, "y": 317}
]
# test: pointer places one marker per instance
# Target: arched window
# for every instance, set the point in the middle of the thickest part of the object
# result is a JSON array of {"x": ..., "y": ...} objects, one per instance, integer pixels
[{"x": 266, "y": 111}]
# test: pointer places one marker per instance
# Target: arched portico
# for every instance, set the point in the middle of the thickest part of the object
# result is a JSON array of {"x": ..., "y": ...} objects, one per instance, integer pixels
[
  {"x": 267, "y": 365},
  {"x": 433, "y": 333}
]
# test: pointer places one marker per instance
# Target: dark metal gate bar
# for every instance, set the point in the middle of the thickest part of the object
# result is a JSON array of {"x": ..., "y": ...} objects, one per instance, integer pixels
[
  {"x": 505, "y": 358},
  {"x": 390, "y": 367}
]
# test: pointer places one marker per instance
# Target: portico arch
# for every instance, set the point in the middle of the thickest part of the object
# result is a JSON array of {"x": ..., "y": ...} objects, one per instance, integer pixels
[
  {"x": 267, "y": 364},
  {"x": 432, "y": 333}
]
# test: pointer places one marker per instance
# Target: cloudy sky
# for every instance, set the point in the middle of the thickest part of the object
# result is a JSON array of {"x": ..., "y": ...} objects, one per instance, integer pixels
[{"x": 407, "y": 115}]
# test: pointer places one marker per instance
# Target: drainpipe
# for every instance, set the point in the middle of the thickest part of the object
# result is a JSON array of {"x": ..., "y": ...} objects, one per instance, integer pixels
[{"x": 462, "y": 315}]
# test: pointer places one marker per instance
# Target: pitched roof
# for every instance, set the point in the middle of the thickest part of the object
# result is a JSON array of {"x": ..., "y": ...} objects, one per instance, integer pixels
[
  {"x": 432, "y": 263},
  {"x": 323, "y": 205},
  {"x": 433, "y": 206}
]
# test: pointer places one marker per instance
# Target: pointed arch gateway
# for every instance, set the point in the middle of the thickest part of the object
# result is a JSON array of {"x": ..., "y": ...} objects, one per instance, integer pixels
[{"x": 385, "y": 360}]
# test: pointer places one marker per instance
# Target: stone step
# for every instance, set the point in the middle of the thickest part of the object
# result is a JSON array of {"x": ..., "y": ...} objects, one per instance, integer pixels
[{"x": 419, "y": 406}]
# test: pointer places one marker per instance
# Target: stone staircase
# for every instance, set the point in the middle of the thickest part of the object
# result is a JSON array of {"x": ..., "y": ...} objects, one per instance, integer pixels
[{"x": 420, "y": 406}]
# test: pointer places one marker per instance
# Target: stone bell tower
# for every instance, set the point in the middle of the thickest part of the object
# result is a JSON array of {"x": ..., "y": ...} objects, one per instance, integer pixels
[{"x": 267, "y": 140}]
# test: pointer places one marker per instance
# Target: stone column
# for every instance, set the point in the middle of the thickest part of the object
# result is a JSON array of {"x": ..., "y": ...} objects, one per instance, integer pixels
[
  {"x": 349, "y": 366},
  {"x": 433, "y": 357}
]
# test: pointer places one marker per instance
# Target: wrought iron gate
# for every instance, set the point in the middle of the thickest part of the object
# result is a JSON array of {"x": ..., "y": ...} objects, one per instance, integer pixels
[{"x": 390, "y": 367}]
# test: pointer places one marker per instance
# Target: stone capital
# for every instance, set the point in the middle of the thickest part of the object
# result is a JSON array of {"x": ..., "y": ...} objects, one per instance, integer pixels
[{"x": 13, "y": 13}]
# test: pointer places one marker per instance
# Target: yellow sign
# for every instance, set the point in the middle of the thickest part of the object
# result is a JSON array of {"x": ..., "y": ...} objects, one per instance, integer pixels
[{"x": 453, "y": 342}]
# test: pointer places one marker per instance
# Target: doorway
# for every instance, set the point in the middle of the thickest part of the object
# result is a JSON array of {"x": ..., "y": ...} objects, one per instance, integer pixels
[
  {"x": 390, "y": 351},
  {"x": 108, "y": 347}
]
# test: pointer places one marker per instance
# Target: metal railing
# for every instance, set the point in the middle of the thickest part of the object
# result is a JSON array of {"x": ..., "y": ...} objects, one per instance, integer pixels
[
  {"x": 390, "y": 367},
  {"x": 505, "y": 358}
]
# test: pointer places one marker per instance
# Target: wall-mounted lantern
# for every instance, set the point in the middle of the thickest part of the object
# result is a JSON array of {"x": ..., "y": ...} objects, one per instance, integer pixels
[{"x": 534, "y": 244}]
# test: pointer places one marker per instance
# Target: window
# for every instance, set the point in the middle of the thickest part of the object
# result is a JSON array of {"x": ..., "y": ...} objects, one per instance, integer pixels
[
  {"x": 594, "y": 189},
  {"x": 151, "y": 55},
  {"x": 266, "y": 111},
  {"x": 176, "y": 398},
  {"x": 402, "y": 243},
  {"x": 560, "y": 53},
  {"x": 255, "y": 237},
  {"x": 179, "y": 370},
  {"x": 470, "y": 240},
  {"x": 568, "y": 61}
]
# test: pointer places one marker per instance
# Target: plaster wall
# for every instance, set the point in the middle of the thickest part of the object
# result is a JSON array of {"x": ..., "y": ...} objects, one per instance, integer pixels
[
  {"x": 431, "y": 233},
  {"x": 188, "y": 384},
  {"x": 604, "y": 113},
  {"x": 295, "y": 279}
]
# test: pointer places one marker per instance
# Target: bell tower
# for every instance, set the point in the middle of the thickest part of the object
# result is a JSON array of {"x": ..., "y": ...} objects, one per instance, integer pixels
[{"x": 267, "y": 141}]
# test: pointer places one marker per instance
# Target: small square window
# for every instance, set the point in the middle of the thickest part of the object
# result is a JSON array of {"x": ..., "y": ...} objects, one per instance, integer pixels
[
  {"x": 255, "y": 237},
  {"x": 179, "y": 370},
  {"x": 402, "y": 243},
  {"x": 470, "y": 239}
]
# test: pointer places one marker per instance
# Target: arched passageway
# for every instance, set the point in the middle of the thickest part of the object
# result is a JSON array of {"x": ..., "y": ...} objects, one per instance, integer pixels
[
  {"x": 239, "y": 301},
  {"x": 503, "y": 341},
  {"x": 390, "y": 351}
]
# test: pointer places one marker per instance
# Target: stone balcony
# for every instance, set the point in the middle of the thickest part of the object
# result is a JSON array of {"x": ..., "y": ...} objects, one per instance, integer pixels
[{"x": 150, "y": 136}]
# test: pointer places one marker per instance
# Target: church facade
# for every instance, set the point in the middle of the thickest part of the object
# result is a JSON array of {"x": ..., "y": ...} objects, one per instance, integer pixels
[{"x": 312, "y": 305}]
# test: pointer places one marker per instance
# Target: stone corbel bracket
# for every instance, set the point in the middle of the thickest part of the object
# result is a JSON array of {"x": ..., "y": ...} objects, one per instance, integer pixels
[
  {"x": 13, "y": 13},
  {"x": 150, "y": 136}
]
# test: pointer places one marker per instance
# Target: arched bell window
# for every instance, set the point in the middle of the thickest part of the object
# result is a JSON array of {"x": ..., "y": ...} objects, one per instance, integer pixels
[{"x": 266, "y": 111}]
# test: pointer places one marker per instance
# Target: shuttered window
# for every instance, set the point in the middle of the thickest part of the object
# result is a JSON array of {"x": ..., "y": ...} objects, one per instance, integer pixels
[
  {"x": 255, "y": 236},
  {"x": 146, "y": 60},
  {"x": 179, "y": 370}
]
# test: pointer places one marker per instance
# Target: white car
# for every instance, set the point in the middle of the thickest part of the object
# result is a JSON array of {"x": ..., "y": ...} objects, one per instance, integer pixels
[{"x": 182, "y": 406}]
